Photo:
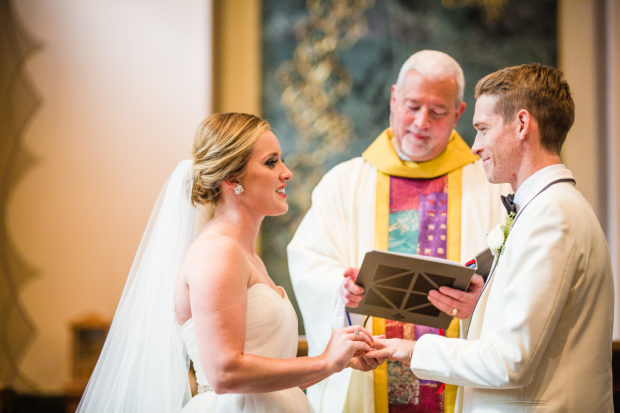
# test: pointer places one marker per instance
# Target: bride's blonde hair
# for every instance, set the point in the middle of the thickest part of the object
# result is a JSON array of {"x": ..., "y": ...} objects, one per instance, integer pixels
[{"x": 221, "y": 149}]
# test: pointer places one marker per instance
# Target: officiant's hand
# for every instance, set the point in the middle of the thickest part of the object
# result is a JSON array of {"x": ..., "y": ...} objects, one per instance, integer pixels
[
  {"x": 457, "y": 303},
  {"x": 350, "y": 293},
  {"x": 396, "y": 349}
]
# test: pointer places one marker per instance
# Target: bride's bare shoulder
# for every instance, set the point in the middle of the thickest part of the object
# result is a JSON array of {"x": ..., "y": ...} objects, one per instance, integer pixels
[
  {"x": 212, "y": 259},
  {"x": 214, "y": 245}
]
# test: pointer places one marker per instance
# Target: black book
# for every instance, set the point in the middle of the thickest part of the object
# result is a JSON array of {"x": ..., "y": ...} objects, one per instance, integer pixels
[{"x": 397, "y": 286}]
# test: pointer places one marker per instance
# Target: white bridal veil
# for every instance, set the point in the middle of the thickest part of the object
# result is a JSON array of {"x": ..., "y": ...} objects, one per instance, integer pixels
[{"x": 143, "y": 364}]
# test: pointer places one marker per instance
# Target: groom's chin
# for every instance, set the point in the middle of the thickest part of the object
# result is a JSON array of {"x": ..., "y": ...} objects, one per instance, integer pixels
[{"x": 492, "y": 176}]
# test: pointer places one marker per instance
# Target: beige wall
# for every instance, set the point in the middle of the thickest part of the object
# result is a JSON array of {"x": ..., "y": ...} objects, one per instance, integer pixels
[
  {"x": 592, "y": 148},
  {"x": 577, "y": 58},
  {"x": 124, "y": 83}
]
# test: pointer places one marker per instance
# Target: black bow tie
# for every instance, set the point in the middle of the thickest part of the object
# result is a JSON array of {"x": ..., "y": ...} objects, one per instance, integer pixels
[{"x": 509, "y": 203}]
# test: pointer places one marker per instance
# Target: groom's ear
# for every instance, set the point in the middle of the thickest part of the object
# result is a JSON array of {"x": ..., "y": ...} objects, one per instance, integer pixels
[{"x": 524, "y": 124}]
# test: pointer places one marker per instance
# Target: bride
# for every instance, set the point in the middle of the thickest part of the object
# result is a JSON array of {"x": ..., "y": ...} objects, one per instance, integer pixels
[{"x": 206, "y": 294}]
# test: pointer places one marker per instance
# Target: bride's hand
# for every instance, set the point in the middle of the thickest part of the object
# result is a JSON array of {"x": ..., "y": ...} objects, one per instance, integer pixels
[
  {"x": 363, "y": 363},
  {"x": 344, "y": 344}
]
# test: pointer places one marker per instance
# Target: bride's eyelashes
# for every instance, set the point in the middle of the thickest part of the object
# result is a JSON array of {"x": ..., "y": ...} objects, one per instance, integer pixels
[{"x": 271, "y": 162}]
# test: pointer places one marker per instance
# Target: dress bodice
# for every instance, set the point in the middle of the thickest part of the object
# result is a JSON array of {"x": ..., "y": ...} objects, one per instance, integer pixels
[{"x": 271, "y": 331}]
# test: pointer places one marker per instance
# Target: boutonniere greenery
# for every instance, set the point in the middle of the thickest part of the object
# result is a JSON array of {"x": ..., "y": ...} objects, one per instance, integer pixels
[{"x": 497, "y": 237}]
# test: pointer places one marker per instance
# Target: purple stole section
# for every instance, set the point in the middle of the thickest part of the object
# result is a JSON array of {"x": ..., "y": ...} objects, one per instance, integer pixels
[{"x": 417, "y": 225}]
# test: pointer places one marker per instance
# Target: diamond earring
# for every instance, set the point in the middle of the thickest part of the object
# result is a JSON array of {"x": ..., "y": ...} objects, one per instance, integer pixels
[{"x": 238, "y": 189}]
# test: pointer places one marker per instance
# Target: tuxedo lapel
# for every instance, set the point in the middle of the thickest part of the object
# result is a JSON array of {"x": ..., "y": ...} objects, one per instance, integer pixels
[
  {"x": 475, "y": 326},
  {"x": 477, "y": 314}
]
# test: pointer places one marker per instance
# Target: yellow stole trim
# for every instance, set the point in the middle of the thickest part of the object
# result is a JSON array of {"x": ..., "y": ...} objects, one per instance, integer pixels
[
  {"x": 382, "y": 219},
  {"x": 382, "y": 155},
  {"x": 453, "y": 253},
  {"x": 381, "y": 242}
]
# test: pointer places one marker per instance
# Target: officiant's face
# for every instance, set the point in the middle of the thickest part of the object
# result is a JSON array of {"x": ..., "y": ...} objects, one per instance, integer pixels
[
  {"x": 496, "y": 142},
  {"x": 265, "y": 177},
  {"x": 423, "y": 113}
]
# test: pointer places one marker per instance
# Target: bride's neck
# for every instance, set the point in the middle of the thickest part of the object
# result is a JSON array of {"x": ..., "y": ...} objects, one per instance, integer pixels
[{"x": 240, "y": 222}]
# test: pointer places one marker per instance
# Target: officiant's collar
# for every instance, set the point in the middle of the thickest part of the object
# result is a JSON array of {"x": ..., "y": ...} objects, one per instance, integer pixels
[
  {"x": 526, "y": 189},
  {"x": 383, "y": 155}
]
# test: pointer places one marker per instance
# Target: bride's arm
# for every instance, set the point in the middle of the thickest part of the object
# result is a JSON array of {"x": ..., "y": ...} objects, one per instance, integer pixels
[{"x": 218, "y": 278}]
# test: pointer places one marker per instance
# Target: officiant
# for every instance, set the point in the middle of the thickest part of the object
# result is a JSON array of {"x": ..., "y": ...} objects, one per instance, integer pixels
[
  {"x": 416, "y": 189},
  {"x": 540, "y": 336}
]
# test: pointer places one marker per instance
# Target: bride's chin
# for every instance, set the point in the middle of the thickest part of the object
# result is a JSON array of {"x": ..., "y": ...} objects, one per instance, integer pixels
[{"x": 280, "y": 212}]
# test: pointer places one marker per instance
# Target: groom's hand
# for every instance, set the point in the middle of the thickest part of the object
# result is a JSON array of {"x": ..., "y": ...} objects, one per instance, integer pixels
[{"x": 395, "y": 349}]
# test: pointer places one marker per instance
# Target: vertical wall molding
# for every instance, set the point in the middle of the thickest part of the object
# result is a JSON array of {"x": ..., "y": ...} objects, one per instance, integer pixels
[
  {"x": 18, "y": 102},
  {"x": 236, "y": 56}
]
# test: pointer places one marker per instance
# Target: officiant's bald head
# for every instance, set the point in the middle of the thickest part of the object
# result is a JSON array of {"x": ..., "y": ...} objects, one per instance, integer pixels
[{"x": 426, "y": 103}]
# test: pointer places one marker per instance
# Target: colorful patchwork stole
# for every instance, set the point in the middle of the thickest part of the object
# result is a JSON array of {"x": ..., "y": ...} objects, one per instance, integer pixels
[{"x": 418, "y": 210}]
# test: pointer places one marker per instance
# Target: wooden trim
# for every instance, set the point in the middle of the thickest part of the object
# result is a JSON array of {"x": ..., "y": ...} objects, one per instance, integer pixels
[{"x": 237, "y": 56}]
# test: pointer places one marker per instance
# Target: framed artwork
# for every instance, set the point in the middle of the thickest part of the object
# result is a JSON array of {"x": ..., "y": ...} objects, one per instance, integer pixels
[{"x": 328, "y": 67}]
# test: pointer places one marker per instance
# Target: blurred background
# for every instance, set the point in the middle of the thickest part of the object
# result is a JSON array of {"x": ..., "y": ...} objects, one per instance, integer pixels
[{"x": 100, "y": 100}]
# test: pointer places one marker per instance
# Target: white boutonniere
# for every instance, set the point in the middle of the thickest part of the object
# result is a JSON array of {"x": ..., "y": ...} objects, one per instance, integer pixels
[{"x": 497, "y": 237}]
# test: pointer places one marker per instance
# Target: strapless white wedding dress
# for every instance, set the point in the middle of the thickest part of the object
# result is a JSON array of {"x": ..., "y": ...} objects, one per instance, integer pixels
[{"x": 271, "y": 331}]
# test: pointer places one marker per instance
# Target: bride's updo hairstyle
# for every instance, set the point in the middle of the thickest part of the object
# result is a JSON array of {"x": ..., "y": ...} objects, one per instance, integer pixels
[{"x": 221, "y": 149}]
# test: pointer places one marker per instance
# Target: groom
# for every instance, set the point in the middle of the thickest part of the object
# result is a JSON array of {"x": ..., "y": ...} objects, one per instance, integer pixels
[{"x": 540, "y": 336}]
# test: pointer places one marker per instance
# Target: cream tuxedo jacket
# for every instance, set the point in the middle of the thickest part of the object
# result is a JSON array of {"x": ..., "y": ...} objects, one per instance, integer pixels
[{"x": 540, "y": 336}]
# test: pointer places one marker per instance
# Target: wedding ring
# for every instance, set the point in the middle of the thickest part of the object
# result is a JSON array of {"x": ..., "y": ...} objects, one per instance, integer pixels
[
  {"x": 357, "y": 333},
  {"x": 454, "y": 312}
]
